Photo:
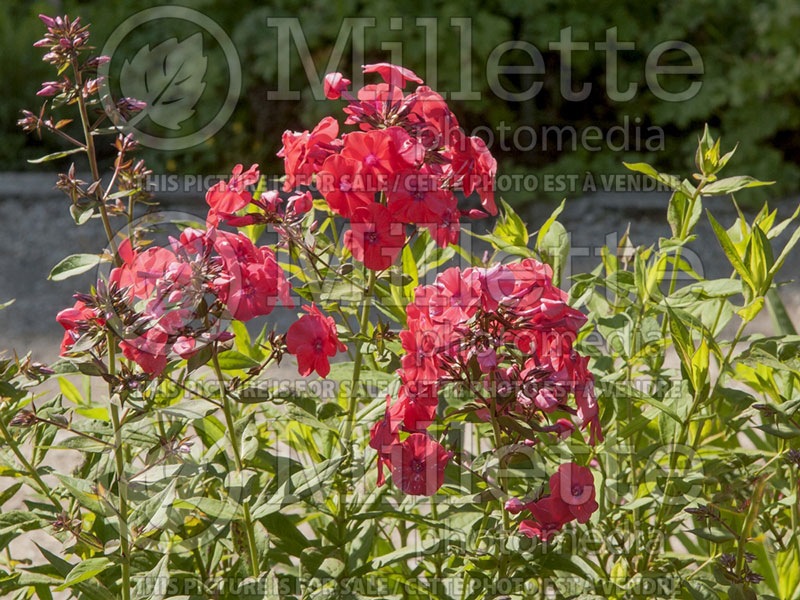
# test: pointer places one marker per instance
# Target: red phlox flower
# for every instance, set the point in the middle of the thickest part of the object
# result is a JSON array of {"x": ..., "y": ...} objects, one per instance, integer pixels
[
  {"x": 418, "y": 464},
  {"x": 421, "y": 347},
  {"x": 299, "y": 203},
  {"x": 460, "y": 288},
  {"x": 226, "y": 197},
  {"x": 340, "y": 181},
  {"x": 384, "y": 435},
  {"x": 550, "y": 514},
  {"x": 140, "y": 271},
  {"x": 574, "y": 486},
  {"x": 377, "y": 156},
  {"x": 335, "y": 84},
  {"x": 417, "y": 404},
  {"x": 72, "y": 320},
  {"x": 416, "y": 197},
  {"x": 252, "y": 281},
  {"x": 476, "y": 168},
  {"x": 304, "y": 152},
  {"x": 375, "y": 102},
  {"x": 147, "y": 350},
  {"x": 392, "y": 74},
  {"x": 437, "y": 125},
  {"x": 312, "y": 339},
  {"x": 374, "y": 237}
]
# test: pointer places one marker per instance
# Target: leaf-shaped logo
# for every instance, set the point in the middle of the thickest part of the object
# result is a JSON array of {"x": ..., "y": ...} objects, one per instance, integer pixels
[{"x": 169, "y": 78}]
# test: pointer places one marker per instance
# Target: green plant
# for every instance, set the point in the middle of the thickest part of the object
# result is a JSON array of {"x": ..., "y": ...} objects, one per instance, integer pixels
[{"x": 648, "y": 452}]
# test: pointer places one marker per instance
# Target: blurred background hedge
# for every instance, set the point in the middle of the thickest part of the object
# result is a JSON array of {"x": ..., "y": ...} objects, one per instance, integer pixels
[{"x": 750, "y": 87}]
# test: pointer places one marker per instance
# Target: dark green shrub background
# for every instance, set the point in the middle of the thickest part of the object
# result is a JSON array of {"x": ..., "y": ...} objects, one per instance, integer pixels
[{"x": 750, "y": 91}]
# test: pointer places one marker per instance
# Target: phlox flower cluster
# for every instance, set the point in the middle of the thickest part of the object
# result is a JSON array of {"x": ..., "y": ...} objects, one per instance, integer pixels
[
  {"x": 504, "y": 335},
  {"x": 170, "y": 301},
  {"x": 402, "y": 166}
]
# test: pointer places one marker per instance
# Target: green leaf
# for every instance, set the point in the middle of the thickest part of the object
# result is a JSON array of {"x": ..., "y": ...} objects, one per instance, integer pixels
[
  {"x": 730, "y": 185},
  {"x": 6, "y": 304},
  {"x": 7, "y": 493},
  {"x": 70, "y": 392},
  {"x": 669, "y": 180},
  {"x": 510, "y": 228},
  {"x": 780, "y": 317},
  {"x": 242, "y": 338},
  {"x": 504, "y": 246},
  {"x": 714, "y": 534},
  {"x": 299, "y": 486},
  {"x": 680, "y": 222},
  {"x": 739, "y": 592},
  {"x": 785, "y": 252},
  {"x": 18, "y": 520},
  {"x": 784, "y": 431},
  {"x": 86, "y": 569},
  {"x": 682, "y": 340},
  {"x": 55, "y": 156},
  {"x": 80, "y": 491},
  {"x": 231, "y": 360},
  {"x": 199, "y": 358},
  {"x": 153, "y": 513},
  {"x": 749, "y": 312},
  {"x": 211, "y": 507},
  {"x": 655, "y": 276},
  {"x": 74, "y": 265},
  {"x": 761, "y": 260},
  {"x": 731, "y": 252},
  {"x": 700, "y": 365},
  {"x": 408, "y": 552},
  {"x": 627, "y": 391},
  {"x": 547, "y": 224},
  {"x": 713, "y": 288},
  {"x": 151, "y": 585},
  {"x": 554, "y": 249},
  {"x": 253, "y": 395},
  {"x": 409, "y": 268},
  {"x": 81, "y": 214}
]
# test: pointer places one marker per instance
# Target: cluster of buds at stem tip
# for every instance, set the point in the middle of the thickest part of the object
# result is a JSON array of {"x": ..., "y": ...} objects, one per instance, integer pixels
[
  {"x": 33, "y": 370},
  {"x": 727, "y": 562},
  {"x": 24, "y": 418},
  {"x": 704, "y": 512},
  {"x": 80, "y": 193},
  {"x": 31, "y": 122},
  {"x": 131, "y": 175},
  {"x": 78, "y": 81},
  {"x": 126, "y": 380},
  {"x": 65, "y": 39},
  {"x": 793, "y": 457},
  {"x": 175, "y": 445}
]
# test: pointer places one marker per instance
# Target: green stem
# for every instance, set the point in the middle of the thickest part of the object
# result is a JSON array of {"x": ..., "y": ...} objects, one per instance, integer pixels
[
  {"x": 683, "y": 234},
  {"x": 683, "y": 433},
  {"x": 637, "y": 326},
  {"x": 90, "y": 152},
  {"x": 237, "y": 456},
  {"x": 795, "y": 509},
  {"x": 501, "y": 479},
  {"x": 747, "y": 527},
  {"x": 122, "y": 483},
  {"x": 341, "y": 517},
  {"x": 43, "y": 488},
  {"x": 358, "y": 359}
]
